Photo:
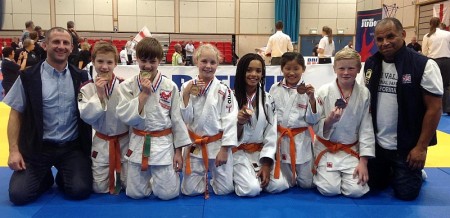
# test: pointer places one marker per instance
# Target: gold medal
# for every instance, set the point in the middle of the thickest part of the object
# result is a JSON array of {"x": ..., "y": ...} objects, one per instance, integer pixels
[
  {"x": 145, "y": 74},
  {"x": 301, "y": 89},
  {"x": 195, "y": 89}
]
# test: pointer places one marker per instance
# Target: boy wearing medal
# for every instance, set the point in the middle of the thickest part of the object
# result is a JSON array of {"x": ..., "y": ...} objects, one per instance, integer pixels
[
  {"x": 150, "y": 105},
  {"x": 344, "y": 134},
  {"x": 97, "y": 104}
]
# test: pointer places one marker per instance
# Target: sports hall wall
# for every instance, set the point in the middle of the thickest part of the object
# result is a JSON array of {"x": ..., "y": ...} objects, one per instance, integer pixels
[{"x": 252, "y": 21}]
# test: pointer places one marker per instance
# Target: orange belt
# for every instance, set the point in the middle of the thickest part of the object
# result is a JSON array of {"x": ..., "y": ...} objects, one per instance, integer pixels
[
  {"x": 147, "y": 143},
  {"x": 333, "y": 148},
  {"x": 291, "y": 133},
  {"x": 248, "y": 147},
  {"x": 202, "y": 141},
  {"x": 114, "y": 160}
]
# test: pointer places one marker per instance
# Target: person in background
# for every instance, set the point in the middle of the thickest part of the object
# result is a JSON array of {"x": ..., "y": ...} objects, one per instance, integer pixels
[
  {"x": 436, "y": 45},
  {"x": 29, "y": 25},
  {"x": 73, "y": 58},
  {"x": 41, "y": 36},
  {"x": 177, "y": 57},
  {"x": 123, "y": 56},
  {"x": 84, "y": 56},
  {"x": 31, "y": 58},
  {"x": 414, "y": 45},
  {"x": 11, "y": 69},
  {"x": 278, "y": 44},
  {"x": 326, "y": 44},
  {"x": 349, "y": 45},
  {"x": 40, "y": 53},
  {"x": 129, "y": 46},
  {"x": 189, "y": 53}
]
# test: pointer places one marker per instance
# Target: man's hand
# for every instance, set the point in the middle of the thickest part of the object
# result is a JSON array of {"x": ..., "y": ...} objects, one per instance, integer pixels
[
  {"x": 15, "y": 161},
  {"x": 416, "y": 158}
]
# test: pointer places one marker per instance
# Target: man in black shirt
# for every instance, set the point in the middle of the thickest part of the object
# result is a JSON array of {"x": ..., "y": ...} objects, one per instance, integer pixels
[{"x": 414, "y": 45}]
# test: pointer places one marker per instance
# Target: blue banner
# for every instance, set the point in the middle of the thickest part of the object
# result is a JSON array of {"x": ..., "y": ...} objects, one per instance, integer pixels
[{"x": 365, "y": 32}]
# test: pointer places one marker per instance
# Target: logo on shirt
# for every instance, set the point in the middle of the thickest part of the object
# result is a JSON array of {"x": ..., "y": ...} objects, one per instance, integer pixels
[
  {"x": 329, "y": 164},
  {"x": 368, "y": 75},
  {"x": 406, "y": 78}
]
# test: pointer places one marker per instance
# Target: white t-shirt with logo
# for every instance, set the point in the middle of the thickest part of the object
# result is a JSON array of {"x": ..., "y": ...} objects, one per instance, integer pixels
[{"x": 387, "y": 107}]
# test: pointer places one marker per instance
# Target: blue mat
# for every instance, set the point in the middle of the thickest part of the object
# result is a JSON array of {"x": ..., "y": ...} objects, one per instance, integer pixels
[{"x": 434, "y": 201}]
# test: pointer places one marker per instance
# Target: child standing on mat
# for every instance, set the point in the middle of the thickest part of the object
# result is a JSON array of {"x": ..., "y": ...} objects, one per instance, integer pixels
[
  {"x": 296, "y": 108},
  {"x": 345, "y": 138},
  {"x": 97, "y": 103},
  {"x": 150, "y": 105},
  {"x": 210, "y": 113},
  {"x": 254, "y": 158}
]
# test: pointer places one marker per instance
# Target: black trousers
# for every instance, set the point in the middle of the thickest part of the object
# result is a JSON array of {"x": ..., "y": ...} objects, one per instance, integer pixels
[
  {"x": 390, "y": 168},
  {"x": 444, "y": 66},
  {"x": 74, "y": 176}
]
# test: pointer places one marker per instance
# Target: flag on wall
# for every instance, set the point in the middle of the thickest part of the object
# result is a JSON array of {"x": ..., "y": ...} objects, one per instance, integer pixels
[
  {"x": 145, "y": 32},
  {"x": 365, "y": 32},
  {"x": 441, "y": 10}
]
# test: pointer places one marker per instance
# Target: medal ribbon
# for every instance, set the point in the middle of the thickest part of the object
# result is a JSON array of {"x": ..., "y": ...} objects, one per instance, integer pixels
[
  {"x": 154, "y": 87},
  {"x": 205, "y": 90},
  {"x": 110, "y": 86},
  {"x": 250, "y": 100},
  {"x": 290, "y": 87},
  {"x": 342, "y": 93}
]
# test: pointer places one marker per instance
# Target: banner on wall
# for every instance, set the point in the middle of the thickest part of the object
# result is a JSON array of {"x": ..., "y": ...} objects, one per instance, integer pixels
[
  {"x": 442, "y": 11},
  {"x": 365, "y": 32}
]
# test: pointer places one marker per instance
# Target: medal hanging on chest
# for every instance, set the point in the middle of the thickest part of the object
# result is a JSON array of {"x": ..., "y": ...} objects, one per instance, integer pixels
[
  {"x": 195, "y": 90},
  {"x": 301, "y": 89},
  {"x": 343, "y": 101}
]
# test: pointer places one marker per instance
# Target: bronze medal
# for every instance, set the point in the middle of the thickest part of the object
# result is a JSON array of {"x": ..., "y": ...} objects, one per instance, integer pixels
[
  {"x": 195, "y": 90},
  {"x": 249, "y": 112},
  {"x": 340, "y": 103},
  {"x": 301, "y": 89}
]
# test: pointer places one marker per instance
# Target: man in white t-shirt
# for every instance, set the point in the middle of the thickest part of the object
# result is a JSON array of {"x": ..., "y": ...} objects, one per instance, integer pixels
[
  {"x": 278, "y": 44},
  {"x": 123, "y": 56},
  {"x": 129, "y": 46},
  {"x": 189, "y": 53},
  {"x": 406, "y": 108}
]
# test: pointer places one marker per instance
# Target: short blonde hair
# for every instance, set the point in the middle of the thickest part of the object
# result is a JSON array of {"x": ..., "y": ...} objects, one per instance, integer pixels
[
  {"x": 102, "y": 47},
  {"x": 207, "y": 46},
  {"x": 347, "y": 53},
  {"x": 85, "y": 46}
]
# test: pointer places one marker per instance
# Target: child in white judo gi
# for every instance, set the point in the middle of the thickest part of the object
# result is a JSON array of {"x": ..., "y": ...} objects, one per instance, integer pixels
[
  {"x": 150, "y": 105},
  {"x": 253, "y": 159},
  {"x": 344, "y": 135},
  {"x": 97, "y": 104},
  {"x": 210, "y": 113},
  {"x": 295, "y": 104}
]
